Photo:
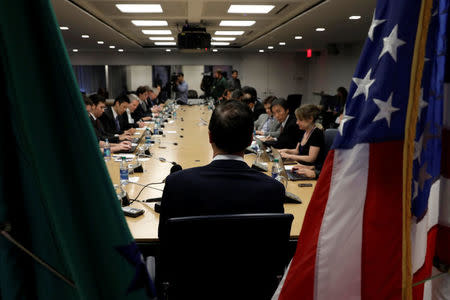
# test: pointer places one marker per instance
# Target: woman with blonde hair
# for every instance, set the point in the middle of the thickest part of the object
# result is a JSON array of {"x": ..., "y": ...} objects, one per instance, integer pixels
[{"x": 309, "y": 150}]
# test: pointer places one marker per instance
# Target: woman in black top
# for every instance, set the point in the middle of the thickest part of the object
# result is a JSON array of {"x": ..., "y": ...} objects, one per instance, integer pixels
[{"x": 310, "y": 146}]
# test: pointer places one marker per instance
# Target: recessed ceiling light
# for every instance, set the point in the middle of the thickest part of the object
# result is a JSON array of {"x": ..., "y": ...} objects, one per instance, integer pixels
[
  {"x": 112, "y": 47},
  {"x": 157, "y": 32},
  {"x": 227, "y": 32},
  {"x": 236, "y": 23},
  {"x": 168, "y": 50},
  {"x": 215, "y": 50},
  {"x": 100, "y": 42},
  {"x": 120, "y": 50},
  {"x": 223, "y": 38},
  {"x": 165, "y": 43},
  {"x": 85, "y": 36},
  {"x": 320, "y": 29},
  {"x": 261, "y": 50},
  {"x": 220, "y": 43},
  {"x": 250, "y": 9},
  {"x": 298, "y": 37},
  {"x": 269, "y": 47},
  {"x": 149, "y": 22},
  {"x": 75, "y": 50},
  {"x": 161, "y": 38},
  {"x": 354, "y": 17},
  {"x": 281, "y": 43},
  {"x": 140, "y": 8},
  {"x": 64, "y": 28}
]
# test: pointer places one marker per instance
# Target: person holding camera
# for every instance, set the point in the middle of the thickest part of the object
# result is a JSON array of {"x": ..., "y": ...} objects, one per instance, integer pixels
[{"x": 181, "y": 89}]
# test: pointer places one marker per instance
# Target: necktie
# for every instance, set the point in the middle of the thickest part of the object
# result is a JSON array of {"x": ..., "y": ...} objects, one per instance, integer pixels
[
  {"x": 281, "y": 128},
  {"x": 117, "y": 123}
]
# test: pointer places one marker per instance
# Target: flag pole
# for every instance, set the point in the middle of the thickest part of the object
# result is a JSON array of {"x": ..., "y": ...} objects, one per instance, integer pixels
[{"x": 408, "y": 148}]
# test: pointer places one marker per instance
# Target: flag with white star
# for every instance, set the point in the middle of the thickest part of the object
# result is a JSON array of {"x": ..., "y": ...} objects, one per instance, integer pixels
[{"x": 353, "y": 244}]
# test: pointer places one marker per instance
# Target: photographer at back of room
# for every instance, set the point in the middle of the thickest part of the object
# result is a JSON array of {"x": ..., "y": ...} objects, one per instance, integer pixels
[{"x": 181, "y": 89}]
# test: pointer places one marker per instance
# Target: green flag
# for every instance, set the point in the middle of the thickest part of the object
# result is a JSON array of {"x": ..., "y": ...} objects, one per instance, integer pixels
[{"x": 55, "y": 191}]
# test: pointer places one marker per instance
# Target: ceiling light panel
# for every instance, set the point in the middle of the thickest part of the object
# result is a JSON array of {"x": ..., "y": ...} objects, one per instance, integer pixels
[
  {"x": 218, "y": 38},
  {"x": 355, "y": 17},
  {"x": 227, "y": 32},
  {"x": 320, "y": 29},
  {"x": 150, "y": 23},
  {"x": 161, "y": 38},
  {"x": 298, "y": 37},
  {"x": 220, "y": 43},
  {"x": 236, "y": 23},
  {"x": 64, "y": 28},
  {"x": 140, "y": 8},
  {"x": 157, "y": 32},
  {"x": 250, "y": 9},
  {"x": 165, "y": 43}
]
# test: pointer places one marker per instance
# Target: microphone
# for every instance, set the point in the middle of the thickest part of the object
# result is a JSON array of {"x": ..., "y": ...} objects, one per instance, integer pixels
[{"x": 175, "y": 168}]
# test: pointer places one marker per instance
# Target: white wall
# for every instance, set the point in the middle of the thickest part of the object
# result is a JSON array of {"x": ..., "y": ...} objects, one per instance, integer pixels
[
  {"x": 194, "y": 74},
  {"x": 328, "y": 72},
  {"x": 138, "y": 76},
  {"x": 278, "y": 74}
]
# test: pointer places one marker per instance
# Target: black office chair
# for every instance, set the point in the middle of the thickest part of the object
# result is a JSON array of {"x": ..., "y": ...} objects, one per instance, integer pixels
[
  {"x": 192, "y": 94},
  {"x": 294, "y": 101},
  {"x": 224, "y": 256},
  {"x": 330, "y": 134}
]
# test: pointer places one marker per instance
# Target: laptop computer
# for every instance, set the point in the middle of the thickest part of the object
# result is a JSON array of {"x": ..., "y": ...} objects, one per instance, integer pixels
[{"x": 288, "y": 173}]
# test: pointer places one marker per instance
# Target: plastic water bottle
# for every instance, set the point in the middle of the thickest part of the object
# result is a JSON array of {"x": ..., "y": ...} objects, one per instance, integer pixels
[
  {"x": 107, "y": 150},
  {"x": 174, "y": 114},
  {"x": 276, "y": 170},
  {"x": 123, "y": 172},
  {"x": 148, "y": 137},
  {"x": 156, "y": 129}
]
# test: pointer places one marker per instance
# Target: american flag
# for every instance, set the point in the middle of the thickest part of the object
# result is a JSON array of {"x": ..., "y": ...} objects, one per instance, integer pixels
[{"x": 352, "y": 244}]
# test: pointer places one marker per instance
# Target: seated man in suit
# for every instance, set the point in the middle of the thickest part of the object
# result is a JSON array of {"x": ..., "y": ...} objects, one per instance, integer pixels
[
  {"x": 111, "y": 116},
  {"x": 142, "y": 111},
  {"x": 125, "y": 145},
  {"x": 227, "y": 185},
  {"x": 289, "y": 131},
  {"x": 126, "y": 119},
  {"x": 266, "y": 124},
  {"x": 97, "y": 109}
]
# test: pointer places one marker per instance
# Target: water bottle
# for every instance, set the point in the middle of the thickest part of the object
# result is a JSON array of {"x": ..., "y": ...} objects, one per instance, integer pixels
[
  {"x": 156, "y": 129},
  {"x": 107, "y": 150},
  {"x": 123, "y": 172},
  {"x": 174, "y": 114},
  {"x": 276, "y": 170},
  {"x": 148, "y": 137}
]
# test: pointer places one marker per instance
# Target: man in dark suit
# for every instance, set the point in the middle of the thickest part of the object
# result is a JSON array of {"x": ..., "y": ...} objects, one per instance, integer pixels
[
  {"x": 111, "y": 116},
  {"x": 256, "y": 106},
  {"x": 97, "y": 109},
  {"x": 142, "y": 111},
  {"x": 126, "y": 119},
  {"x": 290, "y": 133},
  {"x": 227, "y": 185}
]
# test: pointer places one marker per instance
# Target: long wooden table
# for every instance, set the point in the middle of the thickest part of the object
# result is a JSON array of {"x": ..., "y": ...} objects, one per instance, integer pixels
[{"x": 185, "y": 141}]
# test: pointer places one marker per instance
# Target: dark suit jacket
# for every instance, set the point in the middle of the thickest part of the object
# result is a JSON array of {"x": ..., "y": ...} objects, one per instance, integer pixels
[
  {"x": 108, "y": 122},
  {"x": 258, "y": 110},
  {"x": 101, "y": 133},
  {"x": 139, "y": 113},
  {"x": 290, "y": 135},
  {"x": 222, "y": 187},
  {"x": 124, "y": 122}
]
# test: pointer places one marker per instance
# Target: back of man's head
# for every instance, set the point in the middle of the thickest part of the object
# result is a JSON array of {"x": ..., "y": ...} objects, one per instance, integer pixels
[
  {"x": 231, "y": 126},
  {"x": 247, "y": 99},
  {"x": 237, "y": 95},
  {"x": 250, "y": 90}
]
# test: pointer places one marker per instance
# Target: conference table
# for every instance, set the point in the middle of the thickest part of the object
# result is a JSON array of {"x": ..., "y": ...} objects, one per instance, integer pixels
[{"x": 185, "y": 141}]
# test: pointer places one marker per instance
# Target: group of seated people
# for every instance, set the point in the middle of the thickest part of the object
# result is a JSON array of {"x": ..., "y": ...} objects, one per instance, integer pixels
[
  {"x": 297, "y": 135},
  {"x": 117, "y": 123}
]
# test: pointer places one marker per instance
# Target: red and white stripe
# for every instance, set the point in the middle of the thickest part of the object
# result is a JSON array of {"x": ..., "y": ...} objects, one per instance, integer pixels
[{"x": 350, "y": 246}]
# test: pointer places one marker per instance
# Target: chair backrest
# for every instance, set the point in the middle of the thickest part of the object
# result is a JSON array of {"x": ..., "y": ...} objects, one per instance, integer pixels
[
  {"x": 330, "y": 134},
  {"x": 225, "y": 256},
  {"x": 294, "y": 101},
  {"x": 192, "y": 94}
]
